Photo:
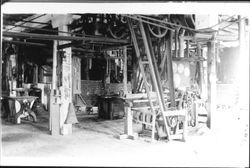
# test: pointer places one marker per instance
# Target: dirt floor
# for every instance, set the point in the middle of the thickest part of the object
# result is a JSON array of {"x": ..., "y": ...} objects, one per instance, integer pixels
[{"x": 94, "y": 142}]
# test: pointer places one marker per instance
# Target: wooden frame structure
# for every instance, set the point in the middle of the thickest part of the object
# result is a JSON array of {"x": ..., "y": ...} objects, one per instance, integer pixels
[{"x": 66, "y": 42}]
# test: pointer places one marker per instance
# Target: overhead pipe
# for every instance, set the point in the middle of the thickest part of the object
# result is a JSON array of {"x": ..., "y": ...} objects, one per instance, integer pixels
[
  {"x": 26, "y": 43},
  {"x": 63, "y": 38}
]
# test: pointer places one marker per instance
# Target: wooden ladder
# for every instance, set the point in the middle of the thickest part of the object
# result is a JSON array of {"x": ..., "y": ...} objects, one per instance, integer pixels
[{"x": 150, "y": 62}]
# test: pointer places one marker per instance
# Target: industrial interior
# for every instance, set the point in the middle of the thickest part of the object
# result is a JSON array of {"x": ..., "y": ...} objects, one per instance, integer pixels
[{"x": 99, "y": 86}]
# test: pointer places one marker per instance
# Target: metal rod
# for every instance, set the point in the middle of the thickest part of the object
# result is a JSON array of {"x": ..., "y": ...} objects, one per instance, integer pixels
[
  {"x": 35, "y": 22},
  {"x": 26, "y": 43},
  {"x": 63, "y": 38}
]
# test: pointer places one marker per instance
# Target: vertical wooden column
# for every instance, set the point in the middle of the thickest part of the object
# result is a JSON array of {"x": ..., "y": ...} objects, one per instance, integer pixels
[
  {"x": 54, "y": 81},
  {"x": 53, "y": 109},
  {"x": 125, "y": 81},
  {"x": 170, "y": 70},
  {"x": 201, "y": 72},
  {"x": 1, "y": 50},
  {"x": 211, "y": 83},
  {"x": 176, "y": 41},
  {"x": 187, "y": 48},
  {"x": 66, "y": 88}
]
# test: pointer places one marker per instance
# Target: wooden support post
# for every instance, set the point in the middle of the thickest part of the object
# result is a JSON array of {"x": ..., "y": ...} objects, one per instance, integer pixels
[
  {"x": 54, "y": 77},
  {"x": 170, "y": 70},
  {"x": 181, "y": 44},
  {"x": 176, "y": 41},
  {"x": 187, "y": 49},
  {"x": 128, "y": 126},
  {"x": 66, "y": 80},
  {"x": 201, "y": 71},
  {"x": 125, "y": 81},
  {"x": 163, "y": 60},
  {"x": 211, "y": 82},
  {"x": 52, "y": 117},
  {"x": 1, "y": 50},
  {"x": 181, "y": 47},
  {"x": 155, "y": 66}
]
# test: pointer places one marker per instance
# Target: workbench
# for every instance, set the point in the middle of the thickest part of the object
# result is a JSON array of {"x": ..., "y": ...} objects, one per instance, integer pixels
[
  {"x": 20, "y": 107},
  {"x": 110, "y": 107}
]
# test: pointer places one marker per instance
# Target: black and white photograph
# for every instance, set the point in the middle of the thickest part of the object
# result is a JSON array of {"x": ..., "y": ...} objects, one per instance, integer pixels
[{"x": 124, "y": 84}]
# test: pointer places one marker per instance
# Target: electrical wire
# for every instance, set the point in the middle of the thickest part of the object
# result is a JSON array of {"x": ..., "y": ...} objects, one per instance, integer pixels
[
  {"x": 233, "y": 23},
  {"x": 25, "y": 22},
  {"x": 139, "y": 19},
  {"x": 166, "y": 22},
  {"x": 221, "y": 22}
]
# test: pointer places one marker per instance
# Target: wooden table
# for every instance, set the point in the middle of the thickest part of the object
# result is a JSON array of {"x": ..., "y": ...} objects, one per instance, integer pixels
[{"x": 20, "y": 107}]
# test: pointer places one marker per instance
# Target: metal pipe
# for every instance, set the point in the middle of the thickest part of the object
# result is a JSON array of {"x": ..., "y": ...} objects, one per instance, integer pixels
[
  {"x": 63, "y": 38},
  {"x": 26, "y": 43}
]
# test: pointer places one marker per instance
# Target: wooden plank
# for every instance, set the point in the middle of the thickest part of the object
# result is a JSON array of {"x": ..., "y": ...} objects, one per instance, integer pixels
[
  {"x": 1, "y": 78},
  {"x": 176, "y": 42},
  {"x": 125, "y": 81},
  {"x": 163, "y": 61},
  {"x": 54, "y": 81},
  {"x": 170, "y": 70},
  {"x": 128, "y": 126},
  {"x": 54, "y": 86},
  {"x": 190, "y": 59},
  {"x": 211, "y": 82},
  {"x": 76, "y": 75},
  {"x": 55, "y": 117},
  {"x": 175, "y": 112},
  {"x": 59, "y": 47},
  {"x": 143, "y": 108},
  {"x": 66, "y": 77},
  {"x": 187, "y": 49},
  {"x": 201, "y": 72}
]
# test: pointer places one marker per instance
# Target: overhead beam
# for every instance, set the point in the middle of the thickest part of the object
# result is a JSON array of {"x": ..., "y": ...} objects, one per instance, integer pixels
[
  {"x": 26, "y": 43},
  {"x": 82, "y": 49},
  {"x": 62, "y": 46},
  {"x": 62, "y": 38},
  {"x": 211, "y": 83}
]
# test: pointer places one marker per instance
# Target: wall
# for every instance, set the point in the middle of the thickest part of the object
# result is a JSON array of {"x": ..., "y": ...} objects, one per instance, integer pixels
[{"x": 89, "y": 90}]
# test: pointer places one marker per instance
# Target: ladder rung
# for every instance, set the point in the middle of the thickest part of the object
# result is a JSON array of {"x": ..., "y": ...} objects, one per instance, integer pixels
[
  {"x": 141, "y": 122},
  {"x": 143, "y": 100},
  {"x": 143, "y": 108},
  {"x": 144, "y": 62},
  {"x": 176, "y": 136},
  {"x": 175, "y": 113}
]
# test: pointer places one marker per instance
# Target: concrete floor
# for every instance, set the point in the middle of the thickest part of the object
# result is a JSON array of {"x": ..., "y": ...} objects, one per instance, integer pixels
[{"x": 94, "y": 143}]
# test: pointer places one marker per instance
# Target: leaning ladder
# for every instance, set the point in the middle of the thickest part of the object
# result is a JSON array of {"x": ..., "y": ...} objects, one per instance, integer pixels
[{"x": 153, "y": 72}]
